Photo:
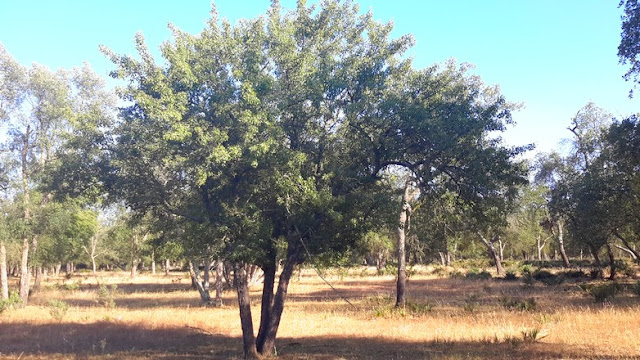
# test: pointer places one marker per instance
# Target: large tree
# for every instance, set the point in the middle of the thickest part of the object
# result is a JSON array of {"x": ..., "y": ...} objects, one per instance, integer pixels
[
  {"x": 275, "y": 133},
  {"x": 629, "y": 48}
]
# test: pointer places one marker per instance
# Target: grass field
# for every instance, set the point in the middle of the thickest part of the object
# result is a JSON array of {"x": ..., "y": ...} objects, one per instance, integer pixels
[{"x": 156, "y": 317}]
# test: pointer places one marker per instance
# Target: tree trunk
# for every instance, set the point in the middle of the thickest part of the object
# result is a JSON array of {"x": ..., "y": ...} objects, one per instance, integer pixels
[
  {"x": 206, "y": 276},
  {"x": 244, "y": 304},
  {"x": 403, "y": 224},
  {"x": 596, "y": 258},
  {"x": 93, "y": 265},
  {"x": 636, "y": 256},
  {"x": 153, "y": 263},
  {"x": 628, "y": 251},
  {"x": 194, "y": 272},
  {"x": 219, "y": 275},
  {"x": 268, "y": 344},
  {"x": 167, "y": 267},
  {"x": 266, "y": 303},
  {"x": 134, "y": 268},
  {"x": 57, "y": 269},
  {"x": 565, "y": 258},
  {"x": 612, "y": 263},
  {"x": 24, "y": 272},
  {"x": 38, "y": 280},
  {"x": 4, "y": 279},
  {"x": 501, "y": 246},
  {"x": 492, "y": 253}
]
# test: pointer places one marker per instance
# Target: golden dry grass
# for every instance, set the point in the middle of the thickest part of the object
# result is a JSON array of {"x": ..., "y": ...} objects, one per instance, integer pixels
[{"x": 155, "y": 318}]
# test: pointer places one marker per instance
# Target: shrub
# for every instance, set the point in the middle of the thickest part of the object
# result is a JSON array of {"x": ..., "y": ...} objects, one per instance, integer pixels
[
  {"x": 456, "y": 274},
  {"x": 471, "y": 302},
  {"x": 58, "y": 309},
  {"x": 518, "y": 304},
  {"x": 106, "y": 296},
  {"x": 510, "y": 275},
  {"x": 527, "y": 278},
  {"x": 476, "y": 274},
  {"x": 574, "y": 274},
  {"x": 11, "y": 303},
  {"x": 603, "y": 292},
  {"x": 636, "y": 288},
  {"x": 72, "y": 286},
  {"x": 532, "y": 335}
]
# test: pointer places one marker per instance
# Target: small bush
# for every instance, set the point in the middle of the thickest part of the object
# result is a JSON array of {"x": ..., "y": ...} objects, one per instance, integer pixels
[
  {"x": 471, "y": 302},
  {"x": 574, "y": 274},
  {"x": 540, "y": 274},
  {"x": 636, "y": 288},
  {"x": 518, "y": 304},
  {"x": 595, "y": 273},
  {"x": 527, "y": 278},
  {"x": 73, "y": 286},
  {"x": 510, "y": 275},
  {"x": 476, "y": 274},
  {"x": 532, "y": 335},
  {"x": 604, "y": 292},
  {"x": 106, "y": 296},
  {"x": 58, "y": 309},
  {"x": 11, "y": 303},
  {"x": 456, "y": 274}
]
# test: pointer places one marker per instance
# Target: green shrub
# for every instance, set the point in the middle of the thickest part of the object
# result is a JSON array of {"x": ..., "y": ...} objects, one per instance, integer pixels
[
  {"x": 456, "y": 274},
  {"x": 518, "y": 303},
  {"x": 58, "y": 309},
  {"x": 106, "y": 296},
  {"x": 636, "y": 288},
  {"x": 527, "y": 278},
  {"x": 510, "y": 275},
  {"x": 603, "y": 292},
  {"x": 476, "y": 274},
  {"x": 11, "y": 303},
  {"x": 72, "y": 286}
]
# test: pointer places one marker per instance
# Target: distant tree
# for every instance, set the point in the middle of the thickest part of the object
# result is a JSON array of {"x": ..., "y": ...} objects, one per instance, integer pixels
[{"x": 629, "y": 48}]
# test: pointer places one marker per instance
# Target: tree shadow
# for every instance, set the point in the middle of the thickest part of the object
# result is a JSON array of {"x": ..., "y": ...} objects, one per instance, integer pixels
[{"x": 119, "y": 340}]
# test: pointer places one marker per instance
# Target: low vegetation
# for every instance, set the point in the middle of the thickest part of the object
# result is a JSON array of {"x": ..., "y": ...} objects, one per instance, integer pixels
[{"x": 449, "y": 318}]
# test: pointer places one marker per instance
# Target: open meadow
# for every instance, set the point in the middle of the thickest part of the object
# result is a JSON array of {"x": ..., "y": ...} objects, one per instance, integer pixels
[{"x": 155, "y": 317}]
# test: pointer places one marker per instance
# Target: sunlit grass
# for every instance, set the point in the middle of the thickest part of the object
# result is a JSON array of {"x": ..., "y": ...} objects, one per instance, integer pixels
[{"x": 154, "y": 317}]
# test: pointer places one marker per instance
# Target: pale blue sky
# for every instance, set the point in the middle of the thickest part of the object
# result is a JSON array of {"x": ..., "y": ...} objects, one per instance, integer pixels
[{"x": 552, "y": 56}]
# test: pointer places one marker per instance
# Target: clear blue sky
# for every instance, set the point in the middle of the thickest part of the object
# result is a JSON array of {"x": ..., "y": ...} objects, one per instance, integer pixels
[{"x": 552, "y": 56}]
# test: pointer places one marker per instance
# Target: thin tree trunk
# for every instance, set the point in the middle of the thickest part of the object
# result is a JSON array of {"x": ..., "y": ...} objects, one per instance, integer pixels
[
  {"x": 244, "y": 304},
  {"x": 628, "y": 251},
  {"x": 4, "y": 280},
  {"x": 93, "y": 265},
  {"x": 153, "y": 262},
  {"x": 612, "y": 263},
  {"x": 565, "y": 258},
  {"x": 636, "y": 256},
  {"x": 403, "y": 224},
  {"x": 195, "y": 281},
  {"x": 167, "y": 267},
  {"x": 57, "y": 269},
  {"x": 492, "y": 253},
  {"x": 206, "y": 276},
  {"x": 219, "y": 275}
]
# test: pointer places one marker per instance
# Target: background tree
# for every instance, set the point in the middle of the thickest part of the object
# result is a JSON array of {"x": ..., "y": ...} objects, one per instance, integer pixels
[{"x": 629, "y": 47}]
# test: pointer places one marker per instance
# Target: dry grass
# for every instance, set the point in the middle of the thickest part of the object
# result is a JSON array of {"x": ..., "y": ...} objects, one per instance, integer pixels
[{"x": 155, "y": 318}]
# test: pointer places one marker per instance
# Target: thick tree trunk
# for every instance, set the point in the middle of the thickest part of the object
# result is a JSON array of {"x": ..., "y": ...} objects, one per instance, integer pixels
[
  {"x": 4, "y": 279},
  {"x": 268, "y": 345},
  {"x": 25, "y": 277},
  {"x": 403, "y": 224},
  {"x": 244, "y": 305},
  {"x": 492, "y": 253},
  {"x": 266, "y": 303},
  {"x": 563, "y": 254},
  {"x": 134, "y": 268},
  {"x": 612, "y": 263},
  {"x": 219, "y": 275}
]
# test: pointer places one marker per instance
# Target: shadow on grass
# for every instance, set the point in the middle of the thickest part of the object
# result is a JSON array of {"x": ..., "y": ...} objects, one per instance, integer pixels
[{"x": 115, "y": 340}]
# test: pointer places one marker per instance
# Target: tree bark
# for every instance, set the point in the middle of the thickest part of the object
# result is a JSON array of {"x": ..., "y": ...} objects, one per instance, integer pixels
[
  {"x": 219, "y": 275},
  {"x": 612, "y": 263},
  {"x": 38, "y": 280},
  {"x": 4, "y": 279},
  {"x": 266, "y": 303},
  {"x": 268, "y": 345},
  {"x": 25, "y": 277},
  {"x": 194, "y": 272},
  {"x": 403, "y": 224},
  {"x": 563, "y": 254},
  {"x": 244, "y": 304},
  {"x": 492, "y": 253},
  {"x": 167, "y": 267},
  {"x": 631, "y": 250}
]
